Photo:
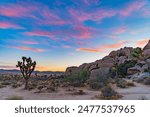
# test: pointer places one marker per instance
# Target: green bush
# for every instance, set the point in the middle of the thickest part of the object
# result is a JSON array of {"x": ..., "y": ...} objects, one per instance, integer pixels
[
  {"x": 95, "y": 84},
  {"x": 122, "y": 68},
  {"x": 77, "y": 79},
  {"x": 121, "y": 83},
  {"x": 136, "y": 53}
]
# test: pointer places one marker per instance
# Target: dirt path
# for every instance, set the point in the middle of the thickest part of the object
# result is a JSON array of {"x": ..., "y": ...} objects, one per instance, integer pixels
[{"x": 135, "y": 93}]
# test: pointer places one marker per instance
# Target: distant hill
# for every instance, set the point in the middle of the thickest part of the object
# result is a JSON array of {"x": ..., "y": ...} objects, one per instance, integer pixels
[{"x": 14, "y": 71}]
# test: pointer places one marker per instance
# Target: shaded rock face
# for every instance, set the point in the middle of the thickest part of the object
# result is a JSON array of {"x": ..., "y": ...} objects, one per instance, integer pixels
[
  {"x": 147, "y": 47},
  {"x": 146, "y": 51},
  {"x": 100, "y": 73},
  {"x": 71, "y": 70}
]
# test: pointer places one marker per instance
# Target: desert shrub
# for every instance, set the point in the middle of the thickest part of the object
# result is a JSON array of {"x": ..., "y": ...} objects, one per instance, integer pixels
[
  {"x": 147, "y": 81},
  {"x": 15, "y": 98},
  {"x": 2, "y": 86},
  {"x": 121, "y": 83},
  {"x": 108, "y": 93},
  {"x": 14, "y": 85},
  {"x": 51, "y": 89},
  {"x": 130, "y": 84},
  {"x": 95, "y": 84},
  {"x": 6, "y": 83},
  {"x": 122, "y": 68},
  {"x": 77, "y": 79}
]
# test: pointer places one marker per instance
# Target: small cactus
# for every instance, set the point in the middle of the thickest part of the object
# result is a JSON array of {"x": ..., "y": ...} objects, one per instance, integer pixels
[{"x": 26, "y": 68}]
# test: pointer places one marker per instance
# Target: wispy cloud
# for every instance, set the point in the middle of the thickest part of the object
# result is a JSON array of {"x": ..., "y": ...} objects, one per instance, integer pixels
[
  {"x": 29, "y": 42},
  {"x": 103, "y": 48},
  {"x": 6, "y": 25},
  {"x": 27, "y": 48},
  {"x": 132, "y": 7},
  {"x": 40, "y": 33},
  {"x": 120, "y": 30},
  {"x": 17, "y": 10},
  {"x": 96, "y": 15},
  {"x": 66, "y": 46}
]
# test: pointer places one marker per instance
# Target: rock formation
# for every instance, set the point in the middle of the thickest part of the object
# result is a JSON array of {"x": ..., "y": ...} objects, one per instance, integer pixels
[{"x": 102, "y": 67}]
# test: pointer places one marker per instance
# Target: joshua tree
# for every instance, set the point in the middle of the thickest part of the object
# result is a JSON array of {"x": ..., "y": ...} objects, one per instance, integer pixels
[{"x": 26, "y": 68}]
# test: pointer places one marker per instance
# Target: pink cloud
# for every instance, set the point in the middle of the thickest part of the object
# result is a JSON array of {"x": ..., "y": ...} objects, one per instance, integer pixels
[
  {"x": 27, "y": 48},
  {"x": 17, "y": 10},
  {"x": 83, "y": 32},
  {"x": 39, "y": 33},
  {"x": 103, "y": 47},
  {"x": 132, "y": 7},
  {"x": 5, "y": 25},
  {"x": 66, "y": 46},
  {"x": 49, "y": 17},
  {"x": 120, "y": 30},
  {"x": 96, "y": 15},
  {"x": 76, "y": 31},
  {"x": 29, "y": 42}
]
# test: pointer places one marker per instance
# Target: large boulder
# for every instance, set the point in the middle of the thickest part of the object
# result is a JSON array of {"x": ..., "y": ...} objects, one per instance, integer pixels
[
  {"x": 71, "y": 70},
  {"x": 141, "y": 66},
  {"x": 106, "y": 62},
  {"x": 147, "y": 61},
  {"x": 133, "y": 70},
  {"x": 121, "y": 59},
  {"x": 146, "y": 53},
  {"x": 140, "y": 76},
  {"x": 99, "y": 73},
  {"x": 85, "y": 66},
  {"x": 146, "y": 50},
  {"x": 93, "y": 66}
]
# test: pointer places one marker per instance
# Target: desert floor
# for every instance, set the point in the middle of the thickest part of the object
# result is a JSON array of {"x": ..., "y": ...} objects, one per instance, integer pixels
[{"x": 138, "y": 92}]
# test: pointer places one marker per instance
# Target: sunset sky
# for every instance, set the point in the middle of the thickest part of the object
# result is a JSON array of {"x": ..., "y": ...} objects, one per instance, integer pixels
[{"x": 62, "y": 33}]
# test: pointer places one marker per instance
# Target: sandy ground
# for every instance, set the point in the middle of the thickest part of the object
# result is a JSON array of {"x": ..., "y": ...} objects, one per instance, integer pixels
[{"x": 132, "y": 93}]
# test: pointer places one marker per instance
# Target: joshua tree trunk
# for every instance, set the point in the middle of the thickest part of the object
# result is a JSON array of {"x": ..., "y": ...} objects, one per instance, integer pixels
[{"x": 26, "y": 84}]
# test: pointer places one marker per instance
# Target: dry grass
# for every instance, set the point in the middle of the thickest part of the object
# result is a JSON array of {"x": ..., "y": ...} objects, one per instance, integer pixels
[
  {"x": 15, "y": 98},
  {"x": 130, "y": 84}
]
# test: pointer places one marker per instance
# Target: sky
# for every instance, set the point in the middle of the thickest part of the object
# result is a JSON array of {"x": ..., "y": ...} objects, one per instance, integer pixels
[{"x": 62, "y": 33}]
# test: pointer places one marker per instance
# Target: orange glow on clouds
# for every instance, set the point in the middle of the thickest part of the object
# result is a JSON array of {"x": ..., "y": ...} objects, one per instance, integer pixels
[
  {"x": 142, "y": 43},
  {"x": 104, "y": 47}
]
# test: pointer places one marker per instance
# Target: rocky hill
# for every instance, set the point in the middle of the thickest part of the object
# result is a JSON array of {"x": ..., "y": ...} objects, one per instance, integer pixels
[{"x": 125, "y": 62}]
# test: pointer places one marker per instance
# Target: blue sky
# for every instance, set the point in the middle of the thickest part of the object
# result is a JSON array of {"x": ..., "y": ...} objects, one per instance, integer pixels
[{"x": 62, "y": 33}]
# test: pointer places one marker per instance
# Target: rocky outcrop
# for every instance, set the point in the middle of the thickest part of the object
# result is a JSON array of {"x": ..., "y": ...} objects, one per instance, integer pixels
[{"x": 101, "y": 68}]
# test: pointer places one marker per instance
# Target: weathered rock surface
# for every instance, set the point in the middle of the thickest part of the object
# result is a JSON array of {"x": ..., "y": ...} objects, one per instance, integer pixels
[{"x": 99, "y": 73}]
